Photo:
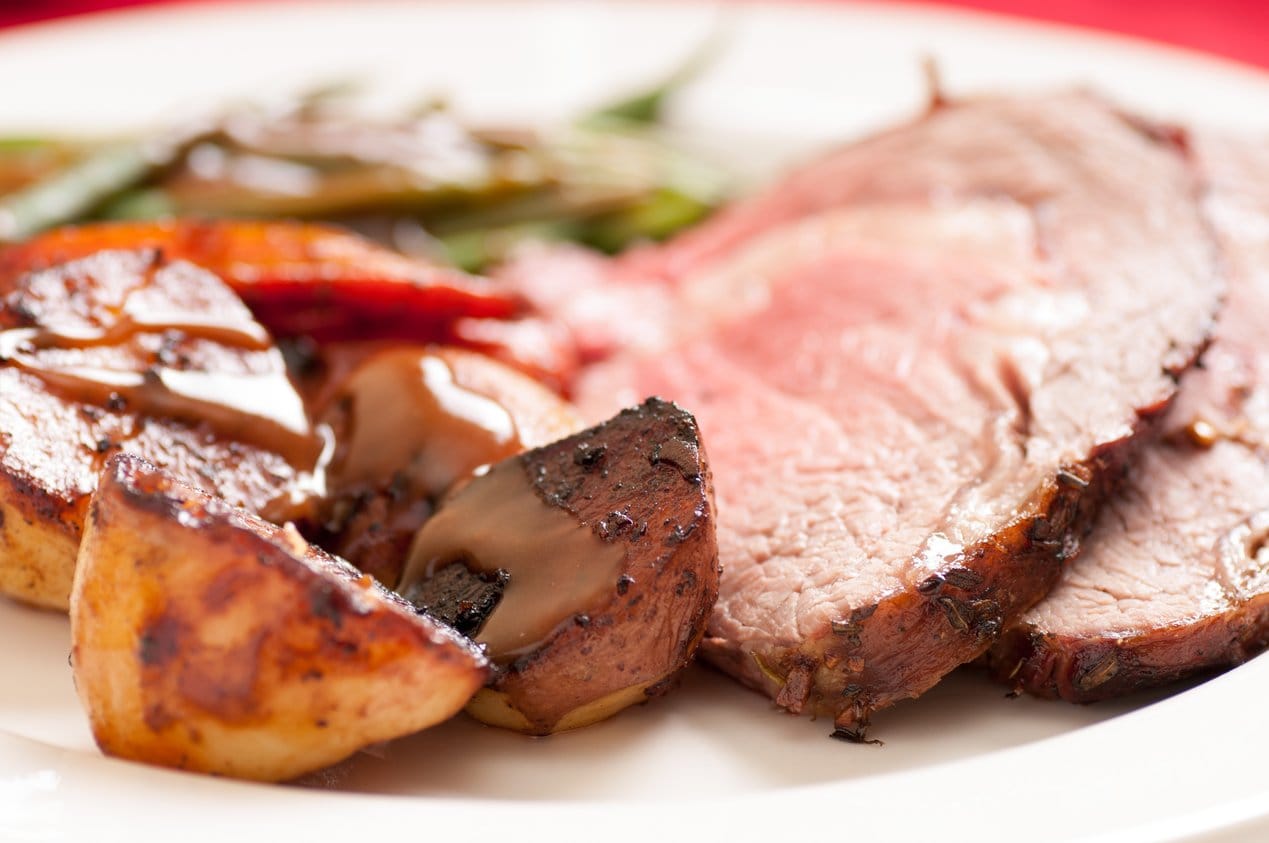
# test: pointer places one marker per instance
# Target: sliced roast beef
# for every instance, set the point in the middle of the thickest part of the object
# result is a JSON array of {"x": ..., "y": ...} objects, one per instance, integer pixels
[
  {"x": 919, "y": 364},
  {"x": 1175, "y": 579}
]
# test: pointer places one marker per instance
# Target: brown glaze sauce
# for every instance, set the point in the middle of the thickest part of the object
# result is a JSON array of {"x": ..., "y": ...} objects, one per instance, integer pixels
[
  {"x": 406, "y": 415},
  {"x": 257, "y": 407},
  {"x": 558, "y": 566}
]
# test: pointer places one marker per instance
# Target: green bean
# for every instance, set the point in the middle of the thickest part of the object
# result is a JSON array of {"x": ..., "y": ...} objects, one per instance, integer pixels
[
  {"x": 144, "y": 203},
  {"x": 26, "y": 145},
  {"x": 607, "y": 180},
  {"x": 570, "y": 173},
  {"x": 648, "y": 107},
  {"x": 662, "y": 214},
  {"x": 26, "y": 160},
  {"x": 476, "y": 249},
  {"x": 75, "y": 191}
]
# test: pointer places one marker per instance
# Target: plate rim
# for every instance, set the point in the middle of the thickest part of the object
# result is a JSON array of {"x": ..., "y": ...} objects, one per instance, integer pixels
[
  {"x": 1256, "y": 809},
  {"x": 922, "y": 8}
]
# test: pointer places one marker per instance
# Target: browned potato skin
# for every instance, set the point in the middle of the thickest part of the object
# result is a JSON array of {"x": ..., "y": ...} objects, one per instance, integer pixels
[
  {"x": 631, "y": 648},
  {"x": 49, "y": 460},
  {"x": 52, "y": 449},
  {"x": 206, "y": 639},
  {"x": 39, "y": 523}
]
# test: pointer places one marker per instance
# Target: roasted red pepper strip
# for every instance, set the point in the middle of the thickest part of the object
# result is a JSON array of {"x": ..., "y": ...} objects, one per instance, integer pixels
[{"x": 297, "y": 278}]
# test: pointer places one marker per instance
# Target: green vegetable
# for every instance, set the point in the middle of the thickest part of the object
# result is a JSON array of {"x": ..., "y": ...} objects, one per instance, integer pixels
[
  {"x": 146, "y": 203},
  {"x": 476, "y": 249},
  {"x": 664, "y": 213},
  {"x": 647, "y": 107},
  {"x": 607, "y": 181},
  {"x": 23, "y": 145},
  {"x": 74, "y": 192}
]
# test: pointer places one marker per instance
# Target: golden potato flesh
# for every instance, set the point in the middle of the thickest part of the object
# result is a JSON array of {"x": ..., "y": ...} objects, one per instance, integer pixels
[
  {"x": 588, "y": 567},
  {"x": 207, "y": 639}
]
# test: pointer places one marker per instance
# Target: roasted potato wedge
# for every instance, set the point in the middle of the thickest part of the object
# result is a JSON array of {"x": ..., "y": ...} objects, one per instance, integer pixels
[
  {"x": 410, "y": 421},
  {"x": 127, "y": 351},
  {"x": 207, "y": 639},
  {"x": 593, "y": 561}
]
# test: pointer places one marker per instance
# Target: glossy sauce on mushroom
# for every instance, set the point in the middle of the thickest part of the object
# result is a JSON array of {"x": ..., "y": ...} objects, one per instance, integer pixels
[
  {"x": 558, "y": 566},
  {"x": 404, "y": 413}
]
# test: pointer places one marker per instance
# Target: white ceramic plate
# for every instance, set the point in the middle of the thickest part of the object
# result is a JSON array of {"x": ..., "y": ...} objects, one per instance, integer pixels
[{"x": 711, "y": 760}]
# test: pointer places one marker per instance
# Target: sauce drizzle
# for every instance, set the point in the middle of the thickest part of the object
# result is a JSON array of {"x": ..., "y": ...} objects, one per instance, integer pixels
[{"x": 122, "y": 330}]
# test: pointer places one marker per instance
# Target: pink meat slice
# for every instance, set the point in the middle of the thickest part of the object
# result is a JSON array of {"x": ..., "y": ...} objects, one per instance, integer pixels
[
  {"x": 919, "y": 363},
  {"x": 1176, "y": 577}
]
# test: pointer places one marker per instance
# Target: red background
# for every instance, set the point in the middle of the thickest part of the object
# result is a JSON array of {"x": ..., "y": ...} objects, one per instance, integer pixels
[
  {"x": 1237, "y": 29},
  {"x": 1232, "y": 28}
]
